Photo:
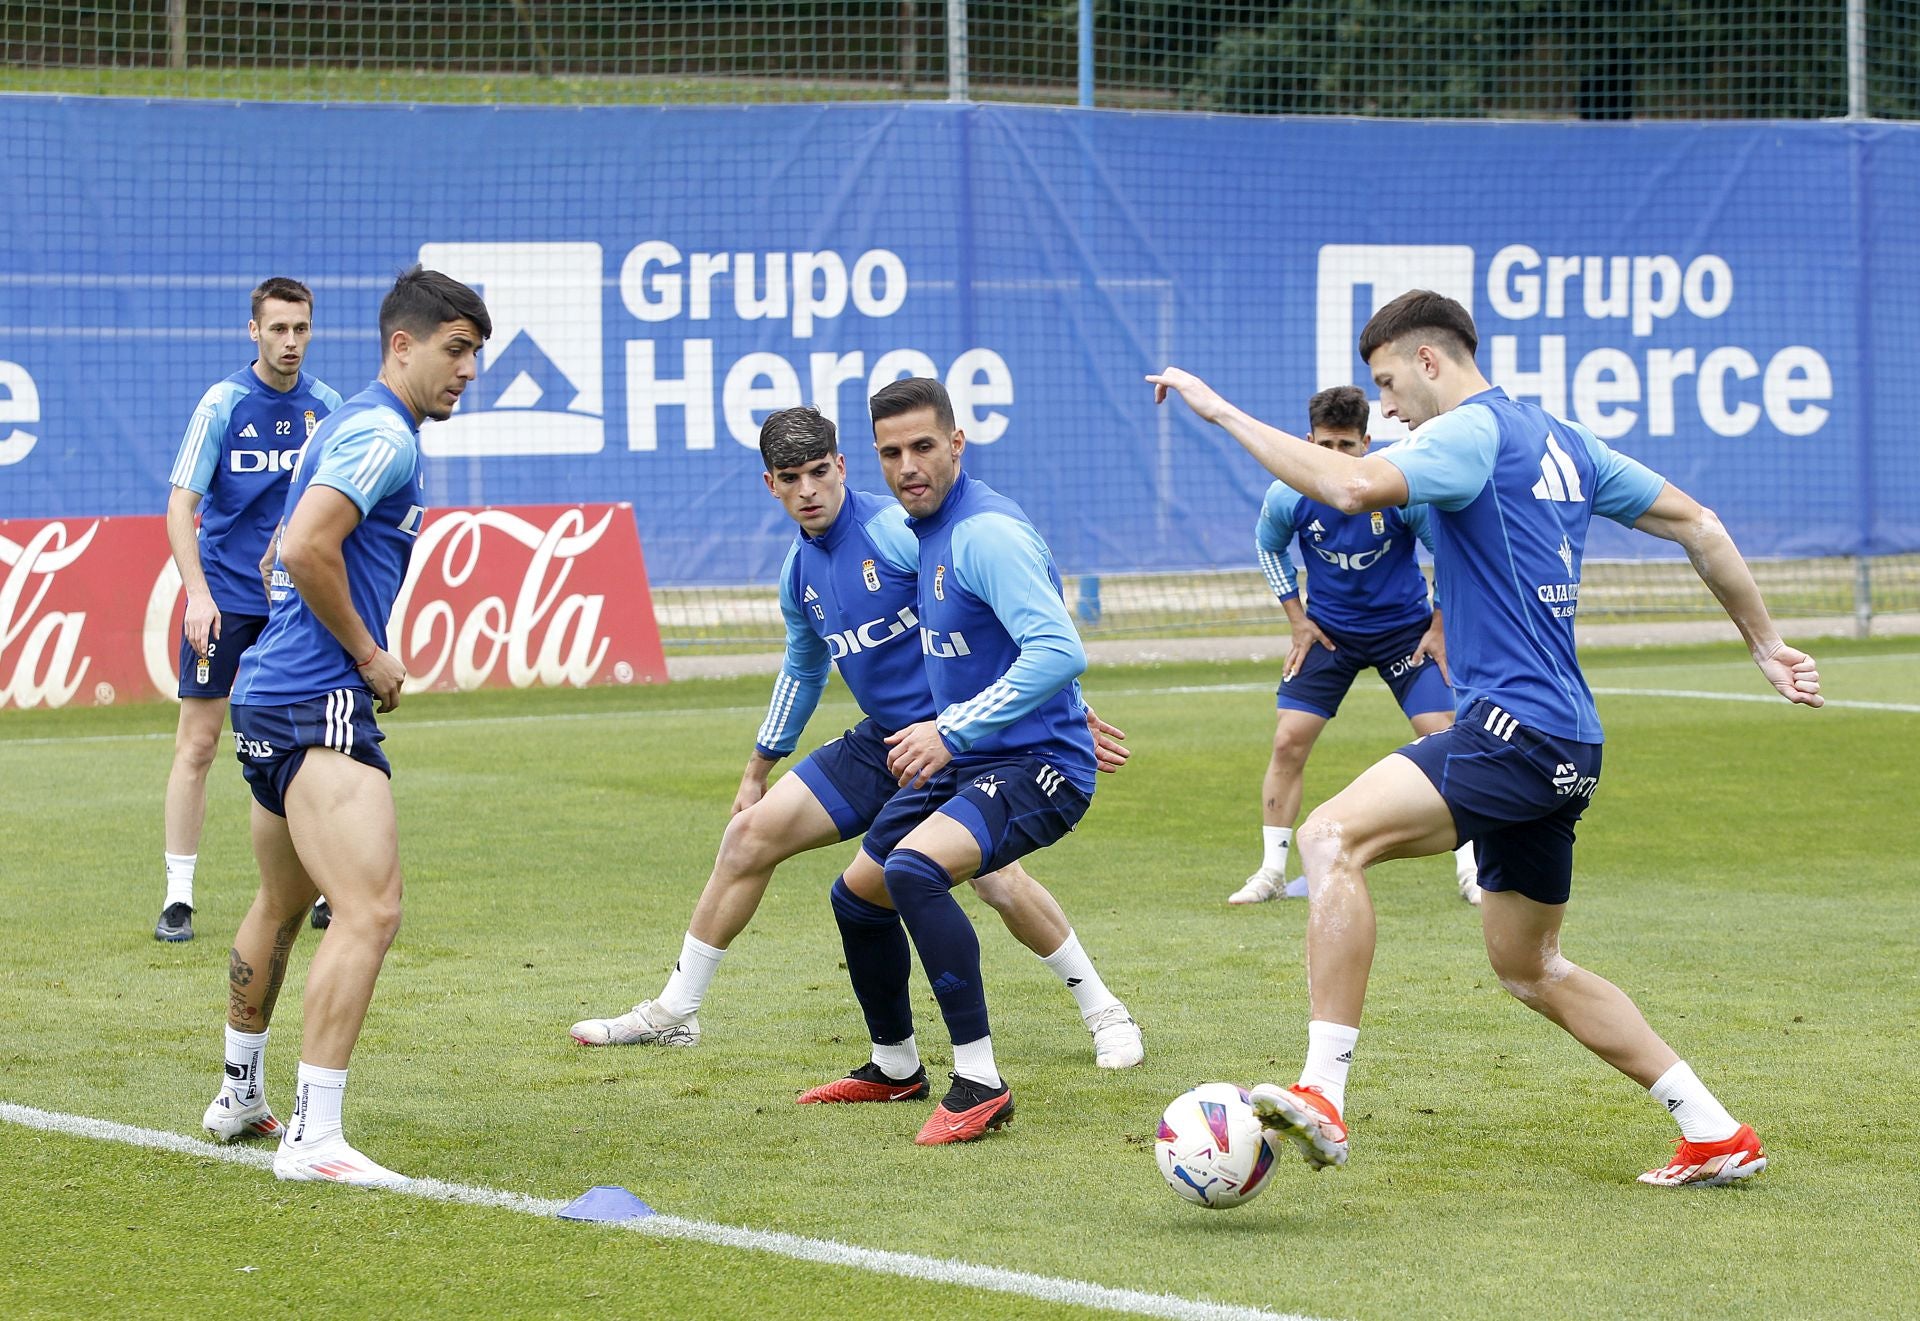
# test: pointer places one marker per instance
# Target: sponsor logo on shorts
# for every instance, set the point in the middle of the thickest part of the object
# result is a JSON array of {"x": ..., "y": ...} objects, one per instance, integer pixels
[
  {"x": 1406, "y": 665},
  {"x": 254, "y": 749},
  {"x": 1569, "y": 783}
]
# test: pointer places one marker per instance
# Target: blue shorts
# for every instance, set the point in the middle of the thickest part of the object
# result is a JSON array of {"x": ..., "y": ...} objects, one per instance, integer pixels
[
  {"x": 850, "y": 777},
  {"x": 1515, "y": 793},
  {"x": 272, "y": 741},
  {"x": 1010, "y": 807},
  {"x": 213, "y": 676},
  {"x": 1325, "y": 676}
]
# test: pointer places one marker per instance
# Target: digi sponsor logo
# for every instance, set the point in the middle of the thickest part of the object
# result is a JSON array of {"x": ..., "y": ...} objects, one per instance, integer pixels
[{"x": 541, "y": 384}]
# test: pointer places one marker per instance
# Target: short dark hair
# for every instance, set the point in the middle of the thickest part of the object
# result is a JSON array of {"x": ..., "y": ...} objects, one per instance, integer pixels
[
  {"x": 1343, "y": 408},
  {"x": 916, "y": 392},
  {"x": 794, "y": 436},
  {"x": 286, "y": 290},
  {"x": 1436, "y": 316},
  {"x": 421, "y": 301}
]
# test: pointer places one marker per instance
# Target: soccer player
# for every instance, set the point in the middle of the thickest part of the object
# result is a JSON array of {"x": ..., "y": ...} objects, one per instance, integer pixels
[
  {"x": 303, "y": 726},
  {"x": 847, "y": 591},
  {"x": 236, "y": 454},
  {"x": 1513, "y": 490},
  {"x": 1368, "y": 609},
  {"x": 1004, "y": 767}
]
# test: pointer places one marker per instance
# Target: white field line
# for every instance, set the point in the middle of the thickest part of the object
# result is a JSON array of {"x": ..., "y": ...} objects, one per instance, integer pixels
[
  {"x": 456, "y": 722},
  {"x": 1045, "y": 1288}
]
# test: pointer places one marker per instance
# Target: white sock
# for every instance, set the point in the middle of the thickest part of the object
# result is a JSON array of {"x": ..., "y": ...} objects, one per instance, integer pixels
[
  {"x": 1329, "y": 1056},
  {"x": 1693, "y": 1107},
  {"x": 1072, "y": 966},
  {"x": 179, "y": 879},
  {"x": 899, "y": 1060},
  {"x": 316, "y": 1106},
  {"x": 1278, "y": 840},
  {"x": 245, "y": 1074},
  {"x": 975, "y": 1060},
  {"x": 1464, "y": 866},
  {"x": 691, "y": 977}
]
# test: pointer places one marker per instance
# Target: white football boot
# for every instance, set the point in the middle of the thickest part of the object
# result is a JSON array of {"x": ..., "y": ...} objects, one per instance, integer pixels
[
  {"x": 332, "y": 1161},
  {"x": 229, "y": 1118},
  {"x": 1116, "y": 1038},
  {"x": 1265, "y": 884},
  {"x": 643, "y": 1025}
]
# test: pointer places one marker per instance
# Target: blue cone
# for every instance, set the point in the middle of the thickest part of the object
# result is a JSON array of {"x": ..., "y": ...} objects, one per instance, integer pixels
[{"x": 607, "y": 1203}]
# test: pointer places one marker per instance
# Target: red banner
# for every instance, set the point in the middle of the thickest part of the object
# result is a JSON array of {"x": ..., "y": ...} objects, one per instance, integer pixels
[{"x": 90, "y": 608}]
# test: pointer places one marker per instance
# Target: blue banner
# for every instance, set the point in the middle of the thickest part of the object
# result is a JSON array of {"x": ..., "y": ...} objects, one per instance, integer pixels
[{"x": 1711, "y": 298}]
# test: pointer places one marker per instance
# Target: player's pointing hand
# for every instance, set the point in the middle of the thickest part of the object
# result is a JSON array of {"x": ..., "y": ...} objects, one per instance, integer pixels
[{"x": 1199, "y": 396}]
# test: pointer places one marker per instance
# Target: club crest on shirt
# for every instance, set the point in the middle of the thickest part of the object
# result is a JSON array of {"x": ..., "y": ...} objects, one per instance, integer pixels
[
  {"x": 869, "y": 576},
  {"x": 1379, "y": 522},
  {"x": 939, "y": 582},
  {"x": 312, "y": 423}
]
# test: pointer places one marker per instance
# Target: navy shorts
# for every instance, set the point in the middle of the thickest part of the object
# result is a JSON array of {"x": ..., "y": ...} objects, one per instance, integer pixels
[
  {"x": 1515, "y": 793},
  {"x": 1325, "y": 676},
  {"x": 213, "y": 676},
  {"x": 1011, "y": 808},
  {"x": 850, "y": 777},
  {"x": 272, "y": 741}
]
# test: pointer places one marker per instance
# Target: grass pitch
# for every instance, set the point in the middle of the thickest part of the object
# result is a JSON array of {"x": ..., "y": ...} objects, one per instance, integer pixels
[{"x": 1747, "y": 872}]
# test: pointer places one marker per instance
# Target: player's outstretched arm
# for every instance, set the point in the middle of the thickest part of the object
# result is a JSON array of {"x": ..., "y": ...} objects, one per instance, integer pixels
[
  {"x": 1353, "y": 486},
  {"x": 1677, "y": 517}
]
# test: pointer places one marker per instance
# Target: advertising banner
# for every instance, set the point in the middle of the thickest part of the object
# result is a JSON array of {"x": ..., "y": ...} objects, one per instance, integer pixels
[
  {"x": 1725, "y": 301},
  {"x": 91, "y": 609}
]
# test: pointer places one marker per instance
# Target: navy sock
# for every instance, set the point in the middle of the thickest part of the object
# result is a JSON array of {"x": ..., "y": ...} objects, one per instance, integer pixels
[
  {"x": 949, "y": 949},
  {"x": 877, "y": 963}
]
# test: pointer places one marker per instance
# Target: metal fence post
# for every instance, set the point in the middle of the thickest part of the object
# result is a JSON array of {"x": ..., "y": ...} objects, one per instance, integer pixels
[
  {"x": 957, "y": 51},
  {"x": 176, "y": 34},
  {"x": 1086, "y": 54},
  {"x": 1857, "y": 59}
]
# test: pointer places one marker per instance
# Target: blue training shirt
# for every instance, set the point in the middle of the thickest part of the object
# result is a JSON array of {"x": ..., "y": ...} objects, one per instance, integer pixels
[
  {"x": 848, "y": 599},
  {"x": 369, "y": 451},
  {"x": 1513, "y": 490},
  {"x": 1003, "y": 659},
  {"x": 238, "y": 448},
  {"x": 1364, "y": 573}
]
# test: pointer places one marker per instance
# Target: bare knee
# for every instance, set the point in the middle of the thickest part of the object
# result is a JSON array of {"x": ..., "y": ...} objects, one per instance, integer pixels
[
  {"x": 1529, "y": 975},
  {"x": 750, "y": 844},
  {"x": 373, "y": 920},
  {"x": 996, "y": 891},
  {"x": 1290, "y": 749},
  {"x": 194, "y": 747},
  {"x": 1322, "y": 842}
]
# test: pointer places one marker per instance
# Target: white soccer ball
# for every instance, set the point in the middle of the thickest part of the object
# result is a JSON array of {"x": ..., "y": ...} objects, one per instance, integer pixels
[{"x": 1210, "y": 1147}]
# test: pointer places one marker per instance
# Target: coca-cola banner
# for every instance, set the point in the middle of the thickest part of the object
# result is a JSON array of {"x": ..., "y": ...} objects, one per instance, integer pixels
[{"x": 90, "y": 608}]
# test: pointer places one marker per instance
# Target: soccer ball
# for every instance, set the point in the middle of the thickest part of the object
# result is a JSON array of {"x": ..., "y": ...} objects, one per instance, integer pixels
[{"x": 1210, "y": 1147}]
